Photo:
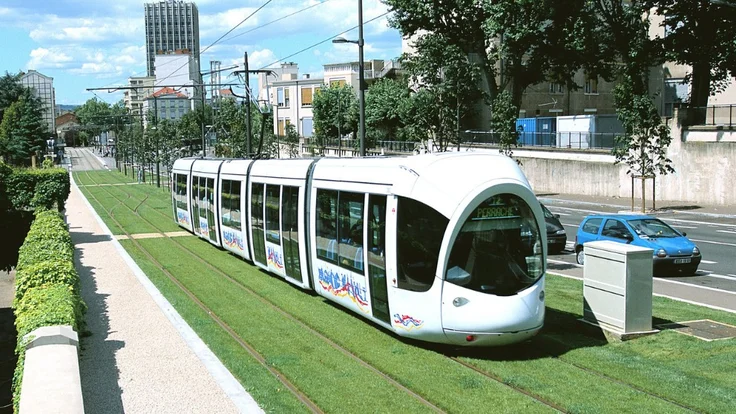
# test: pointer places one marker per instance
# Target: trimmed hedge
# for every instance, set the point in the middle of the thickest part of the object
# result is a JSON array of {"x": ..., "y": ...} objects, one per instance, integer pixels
[
  {"x": 24, "y": 189},
  {"x": 46, "y": 285},
  {"x": 44, "y": 273}
]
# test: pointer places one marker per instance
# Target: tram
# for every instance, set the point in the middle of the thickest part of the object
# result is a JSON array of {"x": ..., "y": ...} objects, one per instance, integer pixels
[{"x": 444, "y": 248}]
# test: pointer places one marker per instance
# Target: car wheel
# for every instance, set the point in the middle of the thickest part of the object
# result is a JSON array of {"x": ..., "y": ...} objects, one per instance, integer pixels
[{"x": 580, "y": 255}]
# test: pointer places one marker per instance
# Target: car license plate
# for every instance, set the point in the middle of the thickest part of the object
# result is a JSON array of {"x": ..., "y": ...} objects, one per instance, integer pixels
[{"x": 680, "y": 261}]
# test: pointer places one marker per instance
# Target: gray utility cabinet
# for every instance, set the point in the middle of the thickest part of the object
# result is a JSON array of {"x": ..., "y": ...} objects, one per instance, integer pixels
[{"x": 617, "y": 286}]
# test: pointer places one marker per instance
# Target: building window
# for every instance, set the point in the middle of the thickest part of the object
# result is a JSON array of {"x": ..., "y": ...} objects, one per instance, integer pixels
[
  {"x": 591, "y": 84},
  {"x": 556, "y": 88},
  {"x": 306, "y": 96},
  {"x": 307, "y": 127},
  {"x": 676, "y": 91},
  {"x": 283, "y": 96},
  {"x": 337, "y": 82},
  {"x": 283, "y": 122}
]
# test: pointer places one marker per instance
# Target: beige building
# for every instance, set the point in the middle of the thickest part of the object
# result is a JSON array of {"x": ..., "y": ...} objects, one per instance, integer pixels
[{"x": 133, "y": 98}]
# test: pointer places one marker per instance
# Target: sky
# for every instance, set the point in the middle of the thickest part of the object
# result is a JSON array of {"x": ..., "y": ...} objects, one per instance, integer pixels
[{"x": 97, "y": 43}]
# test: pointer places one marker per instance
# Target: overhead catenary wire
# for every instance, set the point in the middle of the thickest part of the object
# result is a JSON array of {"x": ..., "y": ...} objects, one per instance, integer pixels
[
  {"x": 277, "y": 20},
  {"x": 323, "y": 41}
]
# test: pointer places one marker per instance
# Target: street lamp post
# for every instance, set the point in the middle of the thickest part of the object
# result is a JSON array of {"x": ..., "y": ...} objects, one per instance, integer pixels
[{"x": 361, "y": 76}]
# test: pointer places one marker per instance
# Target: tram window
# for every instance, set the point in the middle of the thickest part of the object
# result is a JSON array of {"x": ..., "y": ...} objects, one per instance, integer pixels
[
  {"x": 230, "y": 203},
  {"x": 203, "y": 197},
  {"x": 326, "y": 217},
  {"x": 236, "y": 190},
  {"x": 273, "y": 233},
  {"x": 259, "y": 246},
  {"x": 195, "y": 203},
  {"x": 290, "y": 226},
  {"x": 211, "y": 208},
  {"x": 350, "y": 230},
  {"x": 498, "y": 250},
  {"x": 376, "y": 258},
  {"x": 225, "y": 202},
  {"x": 420, "y": 230},
  {"x": 181, "y": 191}
]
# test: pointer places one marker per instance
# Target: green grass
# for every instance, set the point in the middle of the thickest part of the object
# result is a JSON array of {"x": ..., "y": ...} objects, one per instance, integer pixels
[{"x": 676, "y": 367}]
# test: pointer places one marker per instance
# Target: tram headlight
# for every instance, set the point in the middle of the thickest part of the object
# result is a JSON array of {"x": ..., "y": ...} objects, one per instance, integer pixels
[{"x": 459, "y": 301}]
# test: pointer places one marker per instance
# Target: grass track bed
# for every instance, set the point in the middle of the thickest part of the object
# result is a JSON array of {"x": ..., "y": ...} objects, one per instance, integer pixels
[{"x": 553, "y": 365}]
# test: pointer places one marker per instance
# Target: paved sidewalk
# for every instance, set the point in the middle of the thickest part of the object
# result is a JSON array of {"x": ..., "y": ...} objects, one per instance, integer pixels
[
  {"x": 139, "y": 357},
  {"x": 679, "y": 207}
]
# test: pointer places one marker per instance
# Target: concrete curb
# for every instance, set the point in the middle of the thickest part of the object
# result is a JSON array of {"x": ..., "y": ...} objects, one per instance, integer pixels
[{"x": 231, "y": 386}]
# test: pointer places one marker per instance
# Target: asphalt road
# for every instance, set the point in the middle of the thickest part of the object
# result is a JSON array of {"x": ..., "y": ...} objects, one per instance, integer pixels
[{"x": 715, "y": 237}]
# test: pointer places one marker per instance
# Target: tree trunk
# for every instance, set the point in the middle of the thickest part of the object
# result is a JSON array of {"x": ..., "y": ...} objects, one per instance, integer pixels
[{"x": 699, "y": 93}]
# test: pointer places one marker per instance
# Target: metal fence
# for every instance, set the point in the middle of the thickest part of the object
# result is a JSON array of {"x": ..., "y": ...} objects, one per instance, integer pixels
[
  {"x": 570, "y": 140},
  {"x": 716, "y": 115}
]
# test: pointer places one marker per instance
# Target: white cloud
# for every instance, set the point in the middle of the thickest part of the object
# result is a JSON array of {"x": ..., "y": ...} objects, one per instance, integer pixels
[
  {"x": 261, "y": 58},
  {"x": 55, "y": 29},
  {"x": 42, "y": 58}
]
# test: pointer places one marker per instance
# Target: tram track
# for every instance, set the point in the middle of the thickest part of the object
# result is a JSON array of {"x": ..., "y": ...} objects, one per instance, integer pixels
[
  {"x": 485, "y": 373},
  {"x": 308, "y": 403},
  {"x": 313, "y": 407}
]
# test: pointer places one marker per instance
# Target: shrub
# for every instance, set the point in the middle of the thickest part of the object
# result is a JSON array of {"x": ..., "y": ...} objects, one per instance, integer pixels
[
  {"x": 38, "y": 188},
  {"x": 47, "y": 239},
  {"x": 47, "y": 272},
  {"x": 48, "y": 305}
]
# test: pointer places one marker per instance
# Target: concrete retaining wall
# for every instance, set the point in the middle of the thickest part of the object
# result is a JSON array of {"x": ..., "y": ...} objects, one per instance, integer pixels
[
  {"x": 51, "y": 381},
  {"x": 705, "y": 170}
]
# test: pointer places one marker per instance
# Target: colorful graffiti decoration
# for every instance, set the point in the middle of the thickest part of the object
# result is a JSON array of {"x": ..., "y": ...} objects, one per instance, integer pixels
[
  {"x": 344, "y": 285},
  {"x": 204, "y": 226},
  {"x": 274, "y": 258},
  {"x": 407, "y": 322},
  {"x": 182, "y": 217},
  {"x": 233, "y": 239}
]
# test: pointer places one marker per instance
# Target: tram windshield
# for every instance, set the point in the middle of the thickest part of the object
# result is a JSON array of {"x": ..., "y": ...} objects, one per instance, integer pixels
[{"x": 499, "y": 248}]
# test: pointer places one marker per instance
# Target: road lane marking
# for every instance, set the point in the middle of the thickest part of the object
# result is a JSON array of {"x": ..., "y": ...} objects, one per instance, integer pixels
[
  {"x": 695, "y": 286},
  {"x": 707, "y": 223},
  {"x": 726, "y": 231},
  {"x": 687, "y": 227},
  {"x": 714, "y": 242},
  {"x": 717, "y": 276},
  {"x": 707, "y": 262},
  {"x": 667, "y": 296},
  {"x": 562, "y": 214},
  {"x": 568, "y": 224},
  {"x": 563, "y": 262}
]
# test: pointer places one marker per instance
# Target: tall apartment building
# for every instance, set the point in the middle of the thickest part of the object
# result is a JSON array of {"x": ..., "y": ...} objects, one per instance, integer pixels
[
  {"x": 171, "y": 25},
  {"x": 43, "y": 88}
]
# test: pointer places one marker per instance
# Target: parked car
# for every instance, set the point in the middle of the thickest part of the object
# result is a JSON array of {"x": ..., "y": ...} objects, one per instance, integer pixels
[
  {"x": 673, "y": 251},
  {"x": 556, "y": 235}
]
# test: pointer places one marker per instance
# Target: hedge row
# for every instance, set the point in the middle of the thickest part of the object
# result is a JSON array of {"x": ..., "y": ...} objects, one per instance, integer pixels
[
  {"x": 46, "y": 285},
  {"x": 23, "y": 189}
]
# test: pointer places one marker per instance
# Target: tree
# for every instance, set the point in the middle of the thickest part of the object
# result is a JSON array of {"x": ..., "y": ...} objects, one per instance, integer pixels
[
  {"x": 291, "y": 141},
  {"x": 332, "y": 106},
  {"x": 512, "y": 44},
  {"x": 643, "y": 147},
  {"x": 700, "y": 34},
  {"x": 23, "y": 131},
  {"x": 95, "y": 116},
  {"x": 623, "y": 29},
  {"x": 503, "y": 123},
  {"x": 386, "y": 105},
  {"x": 10, "y": 91}
]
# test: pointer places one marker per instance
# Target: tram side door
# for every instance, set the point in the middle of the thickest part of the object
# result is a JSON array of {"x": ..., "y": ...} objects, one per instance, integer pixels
[{"x": 376, "y": 255}]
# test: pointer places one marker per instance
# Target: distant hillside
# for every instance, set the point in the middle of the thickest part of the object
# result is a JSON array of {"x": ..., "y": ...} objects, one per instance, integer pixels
[{"x": 66, "y": 107}]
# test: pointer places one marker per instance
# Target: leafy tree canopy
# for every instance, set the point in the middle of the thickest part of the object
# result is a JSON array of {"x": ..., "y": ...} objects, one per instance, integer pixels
[
  {"x": 23, "y": 131},
  {"x": 335, "y": 106},
  {"x": 10, "y": 91}
]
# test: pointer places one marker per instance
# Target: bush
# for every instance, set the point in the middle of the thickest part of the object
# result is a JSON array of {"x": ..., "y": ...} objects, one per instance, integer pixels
[
  {"x": 38, "y": 188},
  {"x": 48, "y": 272},
  {"x": 47, "y": 239},
  {"x": 46, "y": 284}
]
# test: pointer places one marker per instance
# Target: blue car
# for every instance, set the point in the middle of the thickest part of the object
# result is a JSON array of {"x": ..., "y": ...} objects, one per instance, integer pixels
[{"x": 673, "y": 252}]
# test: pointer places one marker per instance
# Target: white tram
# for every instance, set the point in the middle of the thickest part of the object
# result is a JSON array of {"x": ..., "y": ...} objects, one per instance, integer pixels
[{"x": 443, "y": 248}]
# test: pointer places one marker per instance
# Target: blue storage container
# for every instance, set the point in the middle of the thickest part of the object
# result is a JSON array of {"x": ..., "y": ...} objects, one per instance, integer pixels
[
  {"x": 527, "y": 129},
  {"x": 546, "y": 129}
]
